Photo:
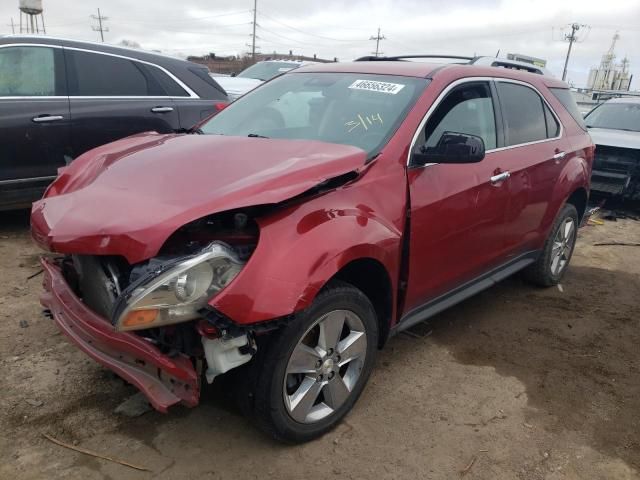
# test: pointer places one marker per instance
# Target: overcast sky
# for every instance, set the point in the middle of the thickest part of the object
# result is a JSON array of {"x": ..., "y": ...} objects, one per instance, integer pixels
[{"x": 333, "y": 28}]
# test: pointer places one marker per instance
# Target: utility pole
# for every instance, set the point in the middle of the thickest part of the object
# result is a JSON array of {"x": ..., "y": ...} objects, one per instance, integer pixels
[
  {"x": 100, "y": 28},
  {"x": 377, "y": 38},
  {"x": 571, "y": 38},
  {"x": 253, "y": 35},
  {"x": 13, "y": 27}
]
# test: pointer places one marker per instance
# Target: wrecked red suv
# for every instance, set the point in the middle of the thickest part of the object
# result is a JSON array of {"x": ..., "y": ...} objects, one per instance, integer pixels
[{"x": 288, "y": 237}]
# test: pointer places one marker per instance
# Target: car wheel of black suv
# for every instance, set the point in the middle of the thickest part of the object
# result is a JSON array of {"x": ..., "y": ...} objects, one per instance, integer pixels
[
  {"x": 549, "y": 269},
  {"x": 311, "y": 372}
]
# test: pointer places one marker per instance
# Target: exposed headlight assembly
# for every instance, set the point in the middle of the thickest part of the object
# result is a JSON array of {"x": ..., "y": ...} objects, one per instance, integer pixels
[{"x": 177, "y": 292}]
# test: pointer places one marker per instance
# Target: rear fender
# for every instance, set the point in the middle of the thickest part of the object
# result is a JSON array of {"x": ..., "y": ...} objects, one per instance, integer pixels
[{"x": 574, "y": 175}]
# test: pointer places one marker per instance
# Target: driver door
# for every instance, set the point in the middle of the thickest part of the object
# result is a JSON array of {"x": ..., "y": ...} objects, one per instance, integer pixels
[{"x": 458, "y": 211}]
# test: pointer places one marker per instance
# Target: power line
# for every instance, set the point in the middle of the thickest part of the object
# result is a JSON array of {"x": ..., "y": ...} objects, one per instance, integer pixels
[
  {"x": 377, "y": 38},
  {"x": 302, "y": 31},
  {"x": 100, "y": 28}
]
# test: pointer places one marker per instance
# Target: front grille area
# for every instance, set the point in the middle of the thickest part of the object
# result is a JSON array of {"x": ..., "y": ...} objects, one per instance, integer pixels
[{"x": 616, "y": 171}]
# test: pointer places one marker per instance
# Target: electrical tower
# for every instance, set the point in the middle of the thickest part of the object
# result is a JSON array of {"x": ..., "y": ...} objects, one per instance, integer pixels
[
  {"x": 100, "y": 27},
  {"x": 377, "y": 38},
  {"x": 570, "y": 38}
]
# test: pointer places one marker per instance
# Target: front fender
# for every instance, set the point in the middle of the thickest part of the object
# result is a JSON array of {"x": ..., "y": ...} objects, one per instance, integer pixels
[{"x": 300, "y": 249}]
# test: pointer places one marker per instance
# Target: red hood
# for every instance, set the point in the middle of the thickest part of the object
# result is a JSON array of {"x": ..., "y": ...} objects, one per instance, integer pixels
[{"x": 127, "y": 197}]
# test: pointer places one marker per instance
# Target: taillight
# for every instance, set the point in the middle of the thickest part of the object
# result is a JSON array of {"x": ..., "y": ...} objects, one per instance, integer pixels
[{"x": 219, "y": 106}]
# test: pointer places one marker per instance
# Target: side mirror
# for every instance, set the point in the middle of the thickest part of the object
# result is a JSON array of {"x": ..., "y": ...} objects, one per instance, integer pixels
[
  {"x": 233, "y": 74},
  {"x": 451, "y": 148}
]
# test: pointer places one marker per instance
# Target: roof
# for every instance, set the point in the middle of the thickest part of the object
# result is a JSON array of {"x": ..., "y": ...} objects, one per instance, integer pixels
[
  {"x": 624, "y": 100},
  {"x": 100, "y": 47},
  {"x": 407, "y": 69},
  {"x": 431, "y": 70}
]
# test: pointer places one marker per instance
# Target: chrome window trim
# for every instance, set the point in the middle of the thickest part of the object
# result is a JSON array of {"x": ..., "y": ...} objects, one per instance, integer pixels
[
  {"x": 25, "y": 180},
  {"x": 461, "y": 81},
  {"x": 188, "y": 90}
]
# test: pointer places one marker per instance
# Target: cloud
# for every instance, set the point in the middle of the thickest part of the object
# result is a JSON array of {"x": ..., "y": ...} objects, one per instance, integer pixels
[{"x": 333, "y": 28}]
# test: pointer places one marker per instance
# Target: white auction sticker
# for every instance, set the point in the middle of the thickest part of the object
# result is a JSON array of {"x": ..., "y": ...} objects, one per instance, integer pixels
[{"x": 374, "y": 86}]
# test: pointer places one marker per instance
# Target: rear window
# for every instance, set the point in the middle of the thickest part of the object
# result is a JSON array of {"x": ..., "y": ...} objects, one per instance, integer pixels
[{"x": 565, "y": 97}]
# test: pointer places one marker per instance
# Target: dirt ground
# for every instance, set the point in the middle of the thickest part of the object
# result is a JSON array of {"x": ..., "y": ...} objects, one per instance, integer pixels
[{"x": 516, "y": 383}]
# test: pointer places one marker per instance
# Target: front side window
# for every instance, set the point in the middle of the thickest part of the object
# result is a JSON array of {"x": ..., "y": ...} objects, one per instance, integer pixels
[
  {"x": 617, "y": 116},
  {"x": 108, "y": 76},
  {"x": 356, "y": 109},
  {"x": 524, "y": 114},
  {"x": 466, "y": 109},
  {"x": 27, "y": 72}
]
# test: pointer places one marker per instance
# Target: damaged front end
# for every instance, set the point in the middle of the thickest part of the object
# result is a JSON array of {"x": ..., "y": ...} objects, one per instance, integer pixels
[{"x": 148, "y": 321}]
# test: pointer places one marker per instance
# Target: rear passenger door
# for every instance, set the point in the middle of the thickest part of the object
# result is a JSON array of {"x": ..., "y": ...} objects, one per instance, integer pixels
[
  {"x": 34, "y": 114},
  {"x": 535, "y": 153},
  {"x": 112, "y": 97}
]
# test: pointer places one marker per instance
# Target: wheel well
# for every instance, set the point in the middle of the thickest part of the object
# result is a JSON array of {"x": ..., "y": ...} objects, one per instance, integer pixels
[
  {"x": 371, "y": 278},
  {"x": 579, "y": 200}
]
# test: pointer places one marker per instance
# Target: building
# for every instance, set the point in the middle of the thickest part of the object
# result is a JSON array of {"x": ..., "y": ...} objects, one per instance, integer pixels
[
  {"x": 233, "y": 64},
  {"x": 609, "y": 75}
]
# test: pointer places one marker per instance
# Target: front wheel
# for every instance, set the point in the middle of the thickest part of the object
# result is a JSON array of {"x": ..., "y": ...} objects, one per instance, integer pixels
[
  {"x": 550, "y": 267},
  {"x": 314, "y": 370}
]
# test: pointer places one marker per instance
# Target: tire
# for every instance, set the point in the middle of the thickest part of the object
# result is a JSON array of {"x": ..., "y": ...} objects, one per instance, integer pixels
[
  {"x": 289, "y": 372},
  {"x": 558, "y": 248}
]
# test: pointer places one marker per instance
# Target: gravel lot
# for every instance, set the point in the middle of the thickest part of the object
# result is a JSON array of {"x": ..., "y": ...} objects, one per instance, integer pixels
[{"x": 516, "y": 383}]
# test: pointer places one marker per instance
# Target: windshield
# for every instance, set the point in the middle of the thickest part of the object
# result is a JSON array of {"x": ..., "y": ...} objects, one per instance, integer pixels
[
  {"x": 351, "y": 109},
  {"x": 617, "y": 116},
  {"x": 267, "y": 70}
]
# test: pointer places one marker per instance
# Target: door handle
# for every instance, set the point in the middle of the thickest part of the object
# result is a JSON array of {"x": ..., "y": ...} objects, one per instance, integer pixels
[
  {"x": 162, "y": 109},
  {"x": 47, "y": 118},
  {"x": 499, "y": 177},
  {"x": 559, "y": 155}
]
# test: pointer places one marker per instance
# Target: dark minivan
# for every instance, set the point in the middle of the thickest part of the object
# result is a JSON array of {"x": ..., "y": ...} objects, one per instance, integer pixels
[{"x": 60, "y": 98}]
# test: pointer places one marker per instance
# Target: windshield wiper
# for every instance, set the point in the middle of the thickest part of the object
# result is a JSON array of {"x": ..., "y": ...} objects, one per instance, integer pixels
[{"x": 255, "y": 135}]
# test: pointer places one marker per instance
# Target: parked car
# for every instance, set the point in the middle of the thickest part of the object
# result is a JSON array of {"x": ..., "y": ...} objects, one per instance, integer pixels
[
  {"x": 288, "y": 248},
  {"x": 255, "y": 75},
  {"x": 615, "y": 129},
  {"x": 60, "y": 98}
]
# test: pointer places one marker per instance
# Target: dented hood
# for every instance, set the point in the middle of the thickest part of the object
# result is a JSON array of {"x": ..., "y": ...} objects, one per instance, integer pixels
[{"x": 126, "y": 198}]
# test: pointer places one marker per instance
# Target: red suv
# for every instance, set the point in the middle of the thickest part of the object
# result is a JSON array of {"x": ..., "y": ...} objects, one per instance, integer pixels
[{"x": 289, "y": 236}]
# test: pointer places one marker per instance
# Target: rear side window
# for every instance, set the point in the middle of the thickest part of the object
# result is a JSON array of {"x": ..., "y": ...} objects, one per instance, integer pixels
[
  {"x": 566, "y": 99},
  {"x": 553, "y": 127},
  {"x": 168, "y": 84},
  {"x": 27, "y": 72},
  {"x": 107, "y": 76},
  {"x": 524, "y": 114}
]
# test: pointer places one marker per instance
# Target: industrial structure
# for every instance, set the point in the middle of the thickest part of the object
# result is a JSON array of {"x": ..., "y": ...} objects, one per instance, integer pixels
[
  {"x": 30, "y": 13},
  {"x": 610, "y": 75}
]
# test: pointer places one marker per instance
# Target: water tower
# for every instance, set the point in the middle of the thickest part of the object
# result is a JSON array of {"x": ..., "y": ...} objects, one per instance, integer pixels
[{"x": 31, "y": 11}]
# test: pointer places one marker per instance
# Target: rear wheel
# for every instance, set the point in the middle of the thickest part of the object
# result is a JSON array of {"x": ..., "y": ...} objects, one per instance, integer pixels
[
  {"x": 314, "y": 370},
  {"x": 549, "y": 269}
]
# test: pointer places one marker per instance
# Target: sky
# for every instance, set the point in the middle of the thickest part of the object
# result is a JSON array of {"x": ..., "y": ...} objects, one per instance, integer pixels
[{"x": 342, "y": 29}]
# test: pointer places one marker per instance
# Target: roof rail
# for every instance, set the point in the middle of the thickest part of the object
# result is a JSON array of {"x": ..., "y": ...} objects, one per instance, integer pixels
[
  {"x": 479, "y": 61},
  {"x": 372, "y": 58}
]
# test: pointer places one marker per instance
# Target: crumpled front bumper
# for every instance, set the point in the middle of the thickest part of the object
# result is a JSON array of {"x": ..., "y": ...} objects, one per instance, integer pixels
[{"x": 164, "y": 380}]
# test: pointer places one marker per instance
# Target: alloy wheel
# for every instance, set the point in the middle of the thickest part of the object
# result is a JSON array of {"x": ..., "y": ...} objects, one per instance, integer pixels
[
  {"x": 562, "y": 246},
  {"x": 325, "y": 366}
]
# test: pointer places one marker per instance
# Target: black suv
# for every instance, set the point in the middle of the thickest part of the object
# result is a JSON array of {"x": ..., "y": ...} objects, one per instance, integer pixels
[{"x": 60, "y": 98}]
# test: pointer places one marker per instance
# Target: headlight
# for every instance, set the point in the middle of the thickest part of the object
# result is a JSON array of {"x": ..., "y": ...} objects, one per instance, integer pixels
[{"x": 177, "y": 292}]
